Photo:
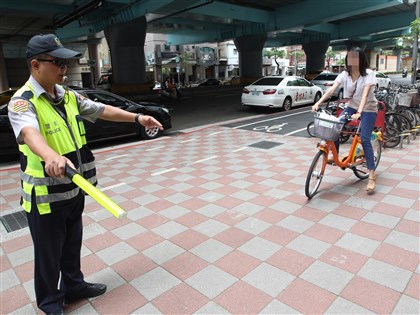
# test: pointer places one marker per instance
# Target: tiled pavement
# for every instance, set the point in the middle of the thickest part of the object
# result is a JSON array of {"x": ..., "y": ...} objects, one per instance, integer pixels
[{"x": 216, "y": 225}]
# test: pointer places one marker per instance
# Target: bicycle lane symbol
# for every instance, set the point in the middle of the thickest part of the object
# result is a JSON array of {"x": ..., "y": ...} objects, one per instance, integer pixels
[{"x": 272, "y": 128}]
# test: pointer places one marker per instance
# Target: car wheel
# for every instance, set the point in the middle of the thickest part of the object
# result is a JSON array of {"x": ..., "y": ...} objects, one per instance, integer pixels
[
  {"x": 150, "y": 133},
  {"x": 340, "y": 94},
  {"x": 287, "y": 104},
  {"x": 317, "y": 97}
]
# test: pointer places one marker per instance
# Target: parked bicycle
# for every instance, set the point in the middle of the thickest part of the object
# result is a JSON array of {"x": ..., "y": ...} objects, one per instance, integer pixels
[{"x": 328, "y": 130}]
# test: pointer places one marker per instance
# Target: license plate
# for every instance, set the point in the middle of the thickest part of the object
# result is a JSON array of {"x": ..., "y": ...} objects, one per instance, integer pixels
[{"x": 255, "y": 93}]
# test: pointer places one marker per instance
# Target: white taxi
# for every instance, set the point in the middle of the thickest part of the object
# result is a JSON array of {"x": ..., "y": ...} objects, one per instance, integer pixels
[{"x": 278, "y": 91}]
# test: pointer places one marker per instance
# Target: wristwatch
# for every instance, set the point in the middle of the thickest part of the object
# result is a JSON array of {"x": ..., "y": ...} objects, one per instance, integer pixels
[{"x": 136, "y": 119}]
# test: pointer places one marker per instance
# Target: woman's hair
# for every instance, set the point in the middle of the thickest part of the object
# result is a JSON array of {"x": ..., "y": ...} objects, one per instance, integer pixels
[{"x": 363, "y": 63}]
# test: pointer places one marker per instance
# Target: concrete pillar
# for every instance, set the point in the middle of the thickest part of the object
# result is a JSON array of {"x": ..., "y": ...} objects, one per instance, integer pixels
[
  {"x": 158, "y": 73},
  {"x": 94, "y": 62},
  {"x": 4, "y": 83},
  {"x": 126, "y": 43},
  {"x": 250, "y": 56},
  {"x": 315, "y": 55},
  {"x": 216, "y": 71}
]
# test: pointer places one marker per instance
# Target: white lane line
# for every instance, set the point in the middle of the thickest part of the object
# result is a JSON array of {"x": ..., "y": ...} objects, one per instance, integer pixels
[
  {"x": 215, "y": 133},
  {"x": 116, "y": 157},
  {"x": 156, "y": 148},
  {"x": 240, "y": 149},
  {"x": 189, "y": 140},
  {"x": 293, "y": 132},
  {"x": 206, "y": 159},
  {"x": 113, "y": 186},
  {"x": 260, "y": 121},
  {"x": 164, "y": 171}
]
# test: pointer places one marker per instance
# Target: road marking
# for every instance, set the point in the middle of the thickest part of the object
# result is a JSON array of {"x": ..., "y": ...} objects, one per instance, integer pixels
[
  {"x": 273, "y": 128},
  {"x": 155, "y": 148},
  {"x": 260, "y": 121},
  {"x": 164, "y": 171},
  {"x": 189, "y": 140},
  {"x": 240, "y": 149},
  {"x": 215, "y": 133},
  {"x": 293, "y": 132},
  {"x": 116, "y": 157},
  {"x": 113, "y": 186},
  {"x": 206, "y": 159}
]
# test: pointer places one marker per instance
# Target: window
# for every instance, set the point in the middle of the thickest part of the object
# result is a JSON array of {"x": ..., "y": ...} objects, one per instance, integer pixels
[
  {"x": 292, "y": 83},
  {"x": 303, "y": 82},
  {"x": 268, "y": 81}
]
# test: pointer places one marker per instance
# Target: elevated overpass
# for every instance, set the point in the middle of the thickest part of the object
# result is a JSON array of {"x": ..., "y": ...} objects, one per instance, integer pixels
[{"x": 252, "y": 24}]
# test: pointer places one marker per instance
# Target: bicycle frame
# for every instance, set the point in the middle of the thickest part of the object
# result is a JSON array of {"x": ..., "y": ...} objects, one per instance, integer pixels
[{"x": 347, "y": 161}]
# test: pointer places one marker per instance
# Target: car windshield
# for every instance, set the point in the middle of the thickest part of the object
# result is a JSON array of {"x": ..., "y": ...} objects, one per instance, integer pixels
[
  {"x": 268, "y": 81},
  {"x": 106, "y": 99},
  {"x": 326, "y": 77}
]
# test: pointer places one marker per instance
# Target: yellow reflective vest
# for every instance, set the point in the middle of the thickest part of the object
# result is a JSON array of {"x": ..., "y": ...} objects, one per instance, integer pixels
[{"x": 65, "y": 135}]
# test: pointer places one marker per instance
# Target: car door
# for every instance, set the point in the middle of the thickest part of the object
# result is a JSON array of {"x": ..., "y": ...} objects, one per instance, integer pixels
[
  {"x": 293, "y": 89},
  {"x": 306, "y": 91},
  {"x": 107, "y": 129}
]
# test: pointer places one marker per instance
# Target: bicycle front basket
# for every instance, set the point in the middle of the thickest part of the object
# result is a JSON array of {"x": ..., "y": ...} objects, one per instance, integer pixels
[
  {"x": 404, "y": 99},
  {"x": 327, "y": 127}
]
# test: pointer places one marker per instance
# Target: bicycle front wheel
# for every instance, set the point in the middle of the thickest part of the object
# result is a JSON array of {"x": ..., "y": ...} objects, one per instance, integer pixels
[
  {"x": 315, "y": 174},
  {"x": 310, "y": 129},
  {"x": 360, "y": 168}
]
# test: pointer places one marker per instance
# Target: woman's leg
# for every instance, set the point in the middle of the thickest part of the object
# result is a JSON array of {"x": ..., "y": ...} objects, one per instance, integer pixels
[
  {"x": 349, "y": 112},
  {"x": 368, "y": 124}
]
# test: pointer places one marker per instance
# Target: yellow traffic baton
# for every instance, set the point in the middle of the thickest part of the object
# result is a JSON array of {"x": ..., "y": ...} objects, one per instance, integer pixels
[{"x": 95, "y": 193}]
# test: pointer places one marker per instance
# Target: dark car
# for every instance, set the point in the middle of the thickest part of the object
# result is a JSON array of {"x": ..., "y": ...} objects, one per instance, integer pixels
[
  {"x": 207, "y": 82},
  {"x": 101, "y": 129}
]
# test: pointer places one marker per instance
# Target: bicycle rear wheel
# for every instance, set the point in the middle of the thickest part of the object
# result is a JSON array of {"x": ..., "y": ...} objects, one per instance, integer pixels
[
  {"x": 391, "y": 137},
  {"x": 360, "y": 168},
  {"x": 315, "y": 174}
]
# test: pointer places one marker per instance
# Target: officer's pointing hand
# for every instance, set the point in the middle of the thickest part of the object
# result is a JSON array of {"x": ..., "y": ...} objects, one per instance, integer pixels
[{"x": 150, "y": 122}]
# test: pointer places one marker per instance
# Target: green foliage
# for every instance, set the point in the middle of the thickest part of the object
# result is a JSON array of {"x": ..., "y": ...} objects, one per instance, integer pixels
[
  {"x": 415, "y": 26},
  {"x": 330, "y": 54},
  {"x": 274, "y": 52}
]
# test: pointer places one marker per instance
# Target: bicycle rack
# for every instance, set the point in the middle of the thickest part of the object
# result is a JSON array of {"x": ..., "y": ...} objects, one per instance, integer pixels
[{"x": 406, "y": 134}]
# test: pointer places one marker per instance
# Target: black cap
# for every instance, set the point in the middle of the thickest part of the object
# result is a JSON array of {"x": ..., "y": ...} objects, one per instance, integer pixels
[{"x": 51, "y": 45}]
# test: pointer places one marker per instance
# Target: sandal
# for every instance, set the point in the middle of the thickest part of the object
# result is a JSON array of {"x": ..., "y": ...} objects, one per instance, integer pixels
[{"x": 371, "y": 184}]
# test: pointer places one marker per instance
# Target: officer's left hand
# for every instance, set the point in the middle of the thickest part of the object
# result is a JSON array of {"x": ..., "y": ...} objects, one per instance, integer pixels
[{"x": 150, "y": 122}]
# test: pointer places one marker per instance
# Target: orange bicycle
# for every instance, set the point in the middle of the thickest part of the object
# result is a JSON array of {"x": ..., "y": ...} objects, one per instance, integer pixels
[{"x": 328, "y": 128}]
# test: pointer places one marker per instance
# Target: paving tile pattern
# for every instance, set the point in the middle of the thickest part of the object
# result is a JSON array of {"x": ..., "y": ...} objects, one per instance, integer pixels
[{"x": 216, "y": 225}]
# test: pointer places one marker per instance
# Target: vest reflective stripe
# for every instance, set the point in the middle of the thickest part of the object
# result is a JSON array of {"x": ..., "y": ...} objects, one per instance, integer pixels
[
  {"x": 56, "y": 133},
  {"x": 51, "y": 181},
  {"x": 46, "y": 199}
]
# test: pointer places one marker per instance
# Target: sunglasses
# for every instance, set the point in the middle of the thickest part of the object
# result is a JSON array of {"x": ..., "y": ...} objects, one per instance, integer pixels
[{"x": 58, "y": 62}]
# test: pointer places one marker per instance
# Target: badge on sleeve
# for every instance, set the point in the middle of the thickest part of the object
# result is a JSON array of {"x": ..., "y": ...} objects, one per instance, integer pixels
[{"x": 20, "y": 106}]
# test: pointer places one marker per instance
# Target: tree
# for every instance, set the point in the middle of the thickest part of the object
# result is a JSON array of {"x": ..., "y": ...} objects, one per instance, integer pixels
[
  {"x": 415, "y": 29},
  {"x": 276, "y": 53},
  {"x": 330, "y": 54}
]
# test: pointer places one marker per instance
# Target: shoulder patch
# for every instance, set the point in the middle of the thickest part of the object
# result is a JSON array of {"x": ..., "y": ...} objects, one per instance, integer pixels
[{"x": 20, "y": 106}]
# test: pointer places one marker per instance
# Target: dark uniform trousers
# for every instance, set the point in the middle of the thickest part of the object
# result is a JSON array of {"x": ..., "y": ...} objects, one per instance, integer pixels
[{"x": 57, "y": 239}]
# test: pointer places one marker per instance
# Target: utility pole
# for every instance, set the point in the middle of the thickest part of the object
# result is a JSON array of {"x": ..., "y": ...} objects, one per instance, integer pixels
[{"x": 415, "y": 49}]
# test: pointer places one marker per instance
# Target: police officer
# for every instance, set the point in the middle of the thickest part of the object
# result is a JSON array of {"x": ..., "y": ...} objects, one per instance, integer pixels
[{"x": 48, "y": 124}]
